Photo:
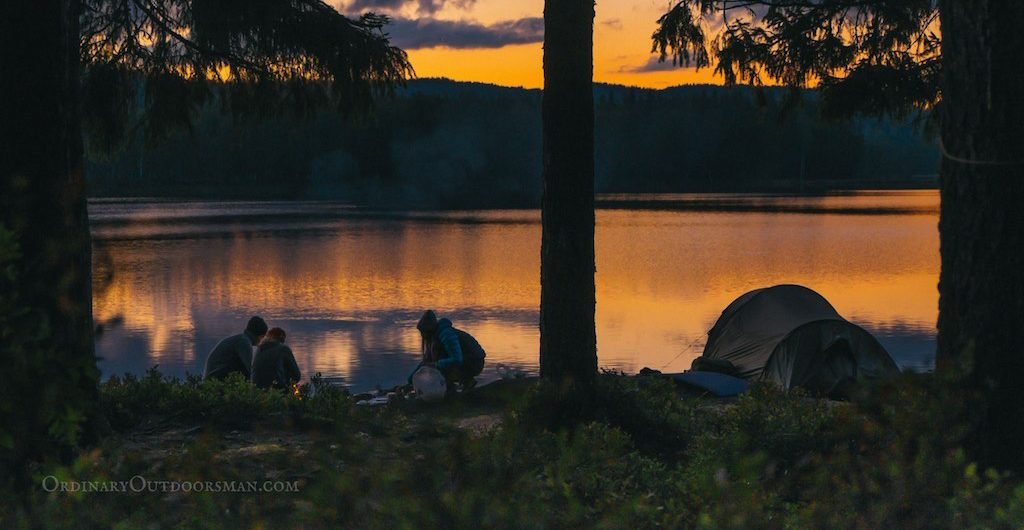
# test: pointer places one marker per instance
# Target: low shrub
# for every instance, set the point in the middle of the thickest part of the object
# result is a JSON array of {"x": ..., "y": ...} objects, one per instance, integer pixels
[
  {"x": 129, "y": 401},
  {"x": 635, "y": 455}
]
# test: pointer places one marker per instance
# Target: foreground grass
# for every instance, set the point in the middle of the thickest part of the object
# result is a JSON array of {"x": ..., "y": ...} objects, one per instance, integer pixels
[{"x": 504, "y": 457}]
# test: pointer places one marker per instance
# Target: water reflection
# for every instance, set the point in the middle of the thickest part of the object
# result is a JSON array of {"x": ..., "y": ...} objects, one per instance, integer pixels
[{"x": 348, "y": 285}]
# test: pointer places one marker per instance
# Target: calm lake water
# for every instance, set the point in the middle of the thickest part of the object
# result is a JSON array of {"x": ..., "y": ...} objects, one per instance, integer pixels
[{"x": 173, "y": 278}]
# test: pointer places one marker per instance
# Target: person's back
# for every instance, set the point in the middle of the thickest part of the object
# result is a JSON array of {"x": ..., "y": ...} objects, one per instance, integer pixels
[
  {"x": 234, "y": 354},
  {"x": 444, "y": 350},
  {"x": 274, "y": 364}
]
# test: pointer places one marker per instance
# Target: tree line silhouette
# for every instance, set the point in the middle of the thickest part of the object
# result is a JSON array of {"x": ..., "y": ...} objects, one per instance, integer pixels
[{"x": 446, "y": 144}]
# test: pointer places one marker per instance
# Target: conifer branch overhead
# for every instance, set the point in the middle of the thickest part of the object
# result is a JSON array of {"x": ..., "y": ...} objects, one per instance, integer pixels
[
  {"x": 882, "y": 56},
  {"x": 167, "y": 55}
]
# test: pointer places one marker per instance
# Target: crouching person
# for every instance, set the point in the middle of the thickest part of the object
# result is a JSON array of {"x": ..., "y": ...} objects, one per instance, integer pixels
[
  {"x": 274, "y": 365},
  {"x": 234, "y": 354},
  {"x": 455, "y": 353}
]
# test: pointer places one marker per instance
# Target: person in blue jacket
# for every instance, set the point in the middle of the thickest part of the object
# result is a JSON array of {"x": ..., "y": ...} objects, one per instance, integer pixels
[{"x": 455, "y": 353}]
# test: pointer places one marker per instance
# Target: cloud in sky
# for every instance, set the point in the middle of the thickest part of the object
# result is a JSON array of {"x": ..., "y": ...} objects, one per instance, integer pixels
[
  {"x": 428, "y": 7},
  {"x": 652, "y": 65},
  {"x": 412, "y": 34},
  {"x": 613, "y": 23}
]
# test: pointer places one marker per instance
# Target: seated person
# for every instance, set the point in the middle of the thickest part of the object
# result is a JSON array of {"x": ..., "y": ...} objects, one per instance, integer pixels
[
  {"x": 274, "y": 364},
  {"x": 455, "y": 353},
  {"x": 234, "y": 354}
]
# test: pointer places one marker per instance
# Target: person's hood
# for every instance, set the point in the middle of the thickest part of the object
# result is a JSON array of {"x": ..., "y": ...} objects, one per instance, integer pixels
[{"x": 443, "y": 323}]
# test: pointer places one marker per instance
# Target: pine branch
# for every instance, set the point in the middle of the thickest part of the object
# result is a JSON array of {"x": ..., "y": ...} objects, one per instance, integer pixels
[{"x": 155, "y": 18}]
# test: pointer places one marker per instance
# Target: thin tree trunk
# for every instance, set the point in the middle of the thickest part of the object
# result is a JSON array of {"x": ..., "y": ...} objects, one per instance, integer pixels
[
  {"x": 50, "y": 367},
  {"x": 981, "y": 287},
  {"x": 568, "y": 340}
]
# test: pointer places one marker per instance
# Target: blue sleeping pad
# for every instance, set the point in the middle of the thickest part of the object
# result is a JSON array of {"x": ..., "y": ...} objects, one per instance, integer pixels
[{"x": 718, "y": 384}]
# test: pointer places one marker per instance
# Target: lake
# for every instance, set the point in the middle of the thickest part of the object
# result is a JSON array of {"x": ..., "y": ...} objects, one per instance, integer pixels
[{"x": 348, "y": 284}]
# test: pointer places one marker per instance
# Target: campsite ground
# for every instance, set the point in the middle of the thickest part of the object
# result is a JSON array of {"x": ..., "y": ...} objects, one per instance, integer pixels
[{"x": 641, "y": 456}]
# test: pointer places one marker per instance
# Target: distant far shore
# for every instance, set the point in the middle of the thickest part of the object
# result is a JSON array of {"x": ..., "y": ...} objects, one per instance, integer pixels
[
  {"x": 441, "y": 144},
  {"x": 604, "y": 198}
]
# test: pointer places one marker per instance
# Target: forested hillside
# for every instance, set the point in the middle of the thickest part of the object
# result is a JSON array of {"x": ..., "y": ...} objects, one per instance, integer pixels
[{"x": 440, "y": 143}]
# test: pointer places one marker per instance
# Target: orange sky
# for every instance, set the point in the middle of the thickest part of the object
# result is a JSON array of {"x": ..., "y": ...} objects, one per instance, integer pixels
[{"x": 622, "y": 30}]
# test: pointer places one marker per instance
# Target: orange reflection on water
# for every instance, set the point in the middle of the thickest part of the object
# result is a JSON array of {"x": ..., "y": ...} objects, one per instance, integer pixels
[{"x": 349, "y": 287}]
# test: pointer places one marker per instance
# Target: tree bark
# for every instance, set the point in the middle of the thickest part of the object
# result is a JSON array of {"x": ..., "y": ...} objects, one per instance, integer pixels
[
  {"x": 981, "y": 286},
  {"x": 49, "y": 390},
  {"x": 568, "y": 340}
]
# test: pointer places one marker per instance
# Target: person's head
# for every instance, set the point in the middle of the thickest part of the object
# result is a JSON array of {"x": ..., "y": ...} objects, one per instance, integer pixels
[
  {"x": 257, "y": 327},
  {"x": 276, "y": 334},
  {"x": 428, "y": 322},
  {"x": 427, "y": 326}
]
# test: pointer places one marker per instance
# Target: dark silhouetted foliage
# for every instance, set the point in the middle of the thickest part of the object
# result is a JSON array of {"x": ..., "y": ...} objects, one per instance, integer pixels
[
  {"x": 163, "y": 56},
  {"x": 441, "y": 144},
  {"x": 880, "y": 58},
  {"x": 643, "y": 458}
]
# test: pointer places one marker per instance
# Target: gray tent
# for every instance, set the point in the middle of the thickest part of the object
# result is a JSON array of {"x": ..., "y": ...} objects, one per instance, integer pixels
[{"x": 791, "y": 335}]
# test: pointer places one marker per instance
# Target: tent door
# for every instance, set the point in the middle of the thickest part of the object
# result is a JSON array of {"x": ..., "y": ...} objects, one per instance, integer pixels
[{"x": 834, "y": 369}]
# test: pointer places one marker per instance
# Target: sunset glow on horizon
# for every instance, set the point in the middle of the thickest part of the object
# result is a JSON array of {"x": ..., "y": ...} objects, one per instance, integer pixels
[{"x": 497, "y": 42}]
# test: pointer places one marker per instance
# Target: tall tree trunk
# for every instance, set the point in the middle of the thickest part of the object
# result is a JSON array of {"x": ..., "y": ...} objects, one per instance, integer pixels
[
  {"x": 981, "y": 287},
  {"x": 568, "y": 340},
  {"x": 50, "y": 373}
]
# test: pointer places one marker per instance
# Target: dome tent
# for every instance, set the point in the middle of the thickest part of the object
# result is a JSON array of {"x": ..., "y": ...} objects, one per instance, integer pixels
[{"x": 792, "y": 336}]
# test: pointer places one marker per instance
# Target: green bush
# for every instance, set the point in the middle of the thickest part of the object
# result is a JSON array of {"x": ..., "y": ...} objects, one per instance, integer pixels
[
  {"x": 637, "y": 455},
  {"x": 893, "y": 458},
  {"x": 129, "y": 401}
]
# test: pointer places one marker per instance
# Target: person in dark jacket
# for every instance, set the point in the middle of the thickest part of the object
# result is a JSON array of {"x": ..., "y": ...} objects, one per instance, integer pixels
[
  {"x": 274, "y": 364},
  {"x": 455, "y": 353},
  {"x": 234, "y": 354}
]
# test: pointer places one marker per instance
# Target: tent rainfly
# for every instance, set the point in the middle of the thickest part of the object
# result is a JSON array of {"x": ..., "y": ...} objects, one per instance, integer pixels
[{"x": 791, "y": 335}]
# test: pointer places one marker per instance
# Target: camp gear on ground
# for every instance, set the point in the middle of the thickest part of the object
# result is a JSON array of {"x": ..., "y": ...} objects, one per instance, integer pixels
[
  {"x": 376, "y": 401},
  {"x": 509, "y": 372},
  {"x": 717, "y": 384},
  {"x": 721, "y": 385},
  {"x": 792, "y": 336},
  {"x": 430, "y": 385},
  {"x": 721, "y": 366}
]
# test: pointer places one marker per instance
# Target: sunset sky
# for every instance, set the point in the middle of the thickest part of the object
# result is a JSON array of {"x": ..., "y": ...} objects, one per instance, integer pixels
[{"x": 499, "y": 41}]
